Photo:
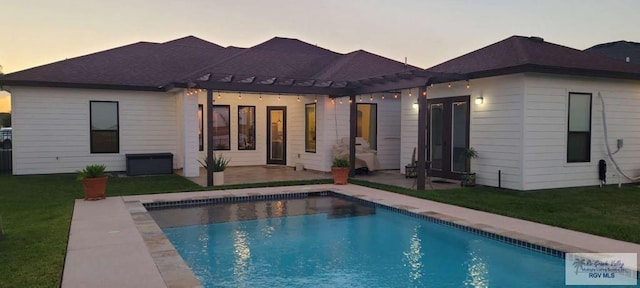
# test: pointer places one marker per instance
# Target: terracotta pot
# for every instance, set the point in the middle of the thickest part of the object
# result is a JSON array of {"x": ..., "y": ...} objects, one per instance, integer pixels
[
  {"x": 94, "y": 188},
  {"x": 340, "y": 175}
]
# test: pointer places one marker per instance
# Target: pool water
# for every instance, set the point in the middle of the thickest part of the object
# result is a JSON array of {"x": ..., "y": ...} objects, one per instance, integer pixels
[{"x": 330, "y": 242}]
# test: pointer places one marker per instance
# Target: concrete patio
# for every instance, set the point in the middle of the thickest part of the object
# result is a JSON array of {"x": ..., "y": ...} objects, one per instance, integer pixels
[{"x": 261, "y": 174}]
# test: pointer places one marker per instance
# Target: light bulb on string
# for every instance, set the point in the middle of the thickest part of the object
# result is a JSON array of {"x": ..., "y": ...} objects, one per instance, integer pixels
[
  {"x": 382, "y": 97},
  {"x": 371, "y": 97},
  {"x": 260, "y": 97},
  {"x": 298, "y": 98},
  {"x": 219, "y": 95},
  {"x": 239, "y": 95},
  {"x": 409, "y": 92},
  {"x": 395, "y": 96},
  {"x": 360, "y": 100},
  {"x": 340, "y": 101},
  {"x": 315, "y": 100},
  {"x": 278, "y": 97},
  {"x": 468, "y": 85},
  {"x": 449, "y": 85}
]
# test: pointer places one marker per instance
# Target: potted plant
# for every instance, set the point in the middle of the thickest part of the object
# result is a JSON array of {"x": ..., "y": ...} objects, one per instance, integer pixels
[
  {"x": 468, "y": 178},
  {"x": 340, "y": 171},
  {"x": 94, "y": 181},
  {"x": 410, "y": 169},
  {"x": 219, "y": 165}
]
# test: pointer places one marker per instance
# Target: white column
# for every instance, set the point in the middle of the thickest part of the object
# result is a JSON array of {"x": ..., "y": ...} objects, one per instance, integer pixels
[{"x": 191, "y": 168}]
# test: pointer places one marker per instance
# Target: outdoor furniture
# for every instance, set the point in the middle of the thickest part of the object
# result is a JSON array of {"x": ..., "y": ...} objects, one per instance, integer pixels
[
  {"x": 427, "y": 167},
  {"x": 149, "y": 164},
  {"x": 365, "y": 156}
]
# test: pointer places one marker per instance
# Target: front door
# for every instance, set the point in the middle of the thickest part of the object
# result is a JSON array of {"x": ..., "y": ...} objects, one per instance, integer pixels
[
  {"x": 277, "y": 135},
  {"x": 448, "y": 136}
]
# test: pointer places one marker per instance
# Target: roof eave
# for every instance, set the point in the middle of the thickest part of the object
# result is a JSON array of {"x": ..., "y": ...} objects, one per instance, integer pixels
[
  {"x": 533, "y": 68},
  {"x": 81, "y": 85}
]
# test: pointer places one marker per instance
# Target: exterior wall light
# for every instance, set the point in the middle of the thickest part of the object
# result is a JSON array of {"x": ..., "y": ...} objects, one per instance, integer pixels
[
  {"x": 479, "y": 100},
  {"x": 415, "y": 105}
]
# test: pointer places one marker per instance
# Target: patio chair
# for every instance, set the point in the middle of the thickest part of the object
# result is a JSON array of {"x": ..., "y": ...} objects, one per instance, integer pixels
[{"x": 427, "y": 178}]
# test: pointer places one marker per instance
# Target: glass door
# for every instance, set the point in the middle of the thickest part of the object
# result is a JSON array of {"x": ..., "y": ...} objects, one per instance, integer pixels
[
  {"x": 276, "y": 135},
  {"x": 448, "y": 136}
]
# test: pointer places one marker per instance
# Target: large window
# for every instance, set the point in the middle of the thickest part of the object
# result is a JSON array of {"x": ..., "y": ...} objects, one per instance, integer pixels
[
  {"x": 221, "y": 127},
  {"x": 104, "y": 127},
  {"x": 367, "y": 122},
  {"x": 246, "y": 128},
  {"x": 310, "y": 128},
  {"x": 200, "y": 127},
  {"x": 579, "y": 134}
]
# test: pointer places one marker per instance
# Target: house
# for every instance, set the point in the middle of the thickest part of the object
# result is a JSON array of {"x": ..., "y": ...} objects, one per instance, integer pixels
[
  {"x": 623, "y": 50},
  {"x": 274, "y": 103},
  {"x": 532, "y": 109}
]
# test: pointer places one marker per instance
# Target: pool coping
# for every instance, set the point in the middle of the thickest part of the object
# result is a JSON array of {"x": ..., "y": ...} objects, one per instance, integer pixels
[{"x": 526, "y": 234}]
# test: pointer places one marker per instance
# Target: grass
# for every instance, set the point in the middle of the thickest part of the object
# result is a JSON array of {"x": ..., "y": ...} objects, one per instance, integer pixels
[
  {"x": 608, "y": 212},
  {"x": 36, "y": 214}
]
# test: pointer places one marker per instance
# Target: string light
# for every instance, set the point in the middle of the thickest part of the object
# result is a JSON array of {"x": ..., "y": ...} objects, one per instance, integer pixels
[
  {"x": 424, "y": 93},
  {"x": 360, "y": 100},
  {"x": 468, "y": 85},
  {"x": 278, "y": 97},
  {"x": 431, "y": 85},
  {"x": 382, "y": 97},
  {"x": 260, "y": 98},
  {"x": 298, "y": 98},
  {"x": 333, "y": 101},
  {"x": 315, "y": 100},
  {"x": 395, "y": 96},
  {"x": 409, "y": 92},
  {"x": 219, "y": 95},
  {"x": 239, "y": 95},
  {"x": 449, "y": 85},
  {"x": 350, "y": 101},
  {"x": 340, "y": 101},
  {"x": 371, "y": 97}
]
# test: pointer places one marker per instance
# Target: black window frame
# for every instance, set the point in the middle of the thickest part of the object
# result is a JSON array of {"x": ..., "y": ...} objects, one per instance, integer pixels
[
  {"x": 306, "y": 128},
  {"x": 571, "y": 159},
  {"x": 201, "y": 127},
  {"x": 228, "y": 133},
  {"x": 254, "y": 127},
  {"x": 91, "y": 130}
]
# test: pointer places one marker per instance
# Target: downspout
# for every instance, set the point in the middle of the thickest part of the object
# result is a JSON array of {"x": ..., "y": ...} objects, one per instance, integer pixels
[
  {"x": 606, "y": 142},
  {"x": 353, "y": 130}
]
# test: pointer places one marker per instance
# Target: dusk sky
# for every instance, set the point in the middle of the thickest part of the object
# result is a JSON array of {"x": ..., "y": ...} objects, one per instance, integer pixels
[{"x": 428, "y": 32}]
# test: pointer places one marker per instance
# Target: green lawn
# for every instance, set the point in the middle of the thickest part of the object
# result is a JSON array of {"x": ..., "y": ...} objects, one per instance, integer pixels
[
  {"x": 609, "y": 212},
  {"x": 36, "y": 213}
]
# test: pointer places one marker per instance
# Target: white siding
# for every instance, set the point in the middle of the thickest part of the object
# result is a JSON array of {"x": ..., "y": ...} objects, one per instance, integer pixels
[
  {"x": 295, "y": 129},
  {"x": 545, "y": 143},
  {"x": 389, "y": 130},
  {"x": 51, "y": 128},
  {"x": 409, "y": 127}
]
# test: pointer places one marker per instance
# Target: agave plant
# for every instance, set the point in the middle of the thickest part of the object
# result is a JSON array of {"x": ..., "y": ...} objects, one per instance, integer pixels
[{"x": 219, "y": 163}]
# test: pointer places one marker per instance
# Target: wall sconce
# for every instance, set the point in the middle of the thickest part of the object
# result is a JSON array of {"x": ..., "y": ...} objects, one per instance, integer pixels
[
  {"x": 479, "y": 100},
  {"x": 415, "y": 105}
]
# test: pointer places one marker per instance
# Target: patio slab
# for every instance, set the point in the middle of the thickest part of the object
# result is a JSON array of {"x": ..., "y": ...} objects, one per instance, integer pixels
[{"x": 122, "y": 259}]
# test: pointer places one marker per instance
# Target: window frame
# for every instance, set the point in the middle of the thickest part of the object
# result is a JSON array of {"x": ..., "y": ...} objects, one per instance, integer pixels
[
  {"x": 306, "y": 128},
  {"x": 253, "y": 118},
  {"x": 569, "y": 132},
  {"x": 91, "y": 130},
  {"x": 229, "y": 133}
]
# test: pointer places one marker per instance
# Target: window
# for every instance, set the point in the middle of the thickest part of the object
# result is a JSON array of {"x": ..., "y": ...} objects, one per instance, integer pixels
[
  {"x": 310, "y": 128},
  {"x": 246, "y": 128},
  {"x": 367, "y": 123},
  {"x": 221, "y": 127},
  {"x": 200, "y": 127},
  {"x": 104, "y": 127},
  {"x": 579, "y": 134}
]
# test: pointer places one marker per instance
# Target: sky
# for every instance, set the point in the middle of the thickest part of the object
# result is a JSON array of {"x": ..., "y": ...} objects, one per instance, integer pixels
[{"x": 426, "y": 32}]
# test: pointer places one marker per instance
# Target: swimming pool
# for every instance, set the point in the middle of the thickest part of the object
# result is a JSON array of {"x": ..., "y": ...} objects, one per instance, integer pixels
[{"x": 322, "y": 241}]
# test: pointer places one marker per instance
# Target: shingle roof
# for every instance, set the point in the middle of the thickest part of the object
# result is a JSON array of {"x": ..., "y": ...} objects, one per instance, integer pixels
[
  {"x": 532, "y": 54},
  {"x": 618, "y": 50},
  {"x": 187, "y": 59},
  {"x": 142, "y": 64}
]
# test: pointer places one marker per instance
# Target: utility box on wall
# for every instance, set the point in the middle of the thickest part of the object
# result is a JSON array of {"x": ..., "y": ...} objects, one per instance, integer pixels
[{"x": 149, "y": 164}]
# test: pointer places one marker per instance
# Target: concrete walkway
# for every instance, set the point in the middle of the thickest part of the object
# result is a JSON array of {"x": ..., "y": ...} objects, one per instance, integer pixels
[{"x": 106, "y": 249}]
